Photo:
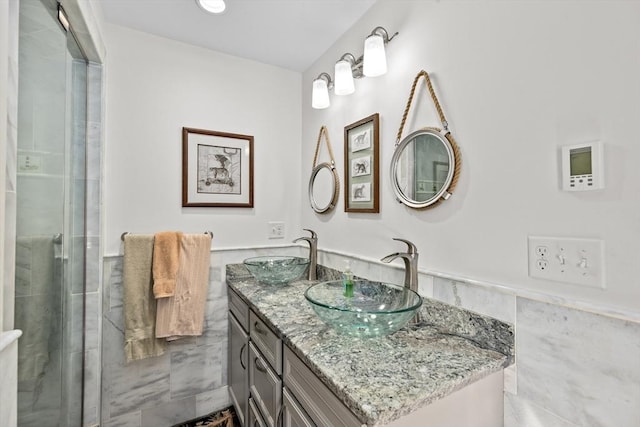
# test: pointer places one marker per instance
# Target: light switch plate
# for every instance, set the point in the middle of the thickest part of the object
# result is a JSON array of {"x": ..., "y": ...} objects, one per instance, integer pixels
[
  {"x": 29, "y": 163},
  {"x": 275, "y": 230},
  {"x": 567, "y": 260}
]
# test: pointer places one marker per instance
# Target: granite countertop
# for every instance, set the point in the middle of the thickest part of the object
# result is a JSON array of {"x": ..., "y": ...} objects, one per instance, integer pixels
[{"x": 381, "y": 379}]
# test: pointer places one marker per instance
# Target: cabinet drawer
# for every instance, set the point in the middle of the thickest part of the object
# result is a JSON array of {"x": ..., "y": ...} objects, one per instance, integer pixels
[
  {"x": 266, "y": 341},
  {"x": 239, "y": 308},
  {"x": 238, "y": 373},
  {"x": 292, "y": 414},
  {"x": 322, "y": 406},
  {"x": 255, "y": 420},
  {"x": 265, "y": 386}
]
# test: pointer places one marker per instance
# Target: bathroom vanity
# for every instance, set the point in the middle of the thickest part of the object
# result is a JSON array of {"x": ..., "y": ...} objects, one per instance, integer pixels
[{"x": 286, "y": 367}]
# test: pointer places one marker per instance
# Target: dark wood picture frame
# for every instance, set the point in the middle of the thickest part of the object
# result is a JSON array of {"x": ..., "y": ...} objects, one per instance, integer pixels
[
  {"x": 362, "y": 165},
  {"x": 217, "y": 169}
]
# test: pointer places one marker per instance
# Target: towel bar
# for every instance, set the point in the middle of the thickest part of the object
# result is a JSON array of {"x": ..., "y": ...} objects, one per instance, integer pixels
[{"x": 126, "y": 232}]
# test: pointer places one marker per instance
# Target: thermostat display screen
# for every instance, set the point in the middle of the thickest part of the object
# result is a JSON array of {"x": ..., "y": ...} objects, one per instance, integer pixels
[
  {"x": 580, "y": 161},
  {"x": 582, "y": 166}
]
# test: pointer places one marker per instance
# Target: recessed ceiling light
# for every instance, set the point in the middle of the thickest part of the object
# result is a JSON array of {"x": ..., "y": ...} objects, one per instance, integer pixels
[{"x": 212, "y": 6}]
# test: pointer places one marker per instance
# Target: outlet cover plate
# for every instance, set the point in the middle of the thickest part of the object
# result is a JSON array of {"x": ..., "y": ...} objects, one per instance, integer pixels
[
  {"x": 567, "y": 260},
  {"x": 275, "y": 230},
  {"x": 30, "y": 163}
]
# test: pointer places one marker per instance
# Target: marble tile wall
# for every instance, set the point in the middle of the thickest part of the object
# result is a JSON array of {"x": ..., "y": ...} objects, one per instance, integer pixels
[
  {"x": 582, "y": 367},
  {"x": 82, "y": 266},
  {"x": 39, "y": 315},
  {"x": 190, "y": 379},
  {"x": 46, "y": 405},
  {"x": 8, "y": 192},
  {"x": 8, "y": 376},
  {"x": 9, "y": 14}
]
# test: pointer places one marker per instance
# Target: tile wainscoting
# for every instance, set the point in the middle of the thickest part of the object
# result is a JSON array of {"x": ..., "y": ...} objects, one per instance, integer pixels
[
  {"x": 9, "y": 376},
  {"x": 190, "y": 379},
  {"x": 573, "y": 367}
]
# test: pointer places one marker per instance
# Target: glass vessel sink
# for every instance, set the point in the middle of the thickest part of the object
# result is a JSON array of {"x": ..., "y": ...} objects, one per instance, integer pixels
[
  {"x": 375, "y": 309},
  {"x": 276, "y": 270}
]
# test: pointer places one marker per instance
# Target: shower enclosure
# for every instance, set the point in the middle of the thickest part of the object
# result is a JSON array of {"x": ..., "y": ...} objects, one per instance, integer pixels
[{"x": 51, "y": 188}]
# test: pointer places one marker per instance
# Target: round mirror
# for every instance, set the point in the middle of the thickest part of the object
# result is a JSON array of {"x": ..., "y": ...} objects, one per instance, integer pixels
[
  {"x": 423, "y": 168},
  {"x": 324, "y": 188}
]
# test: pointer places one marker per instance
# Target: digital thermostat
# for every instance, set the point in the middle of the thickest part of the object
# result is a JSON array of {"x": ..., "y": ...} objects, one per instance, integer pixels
[{"x": 582, "y": 167}]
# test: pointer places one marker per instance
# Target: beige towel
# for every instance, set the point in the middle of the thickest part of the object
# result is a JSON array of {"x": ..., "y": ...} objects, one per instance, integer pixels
[
  {"x": 183, "y": 313},
  {"x": 166, "y": 258},
  {"x": 139, "y": 303}
]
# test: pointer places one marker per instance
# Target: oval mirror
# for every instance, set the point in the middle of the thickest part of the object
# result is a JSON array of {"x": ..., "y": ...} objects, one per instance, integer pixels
[
  {"x": 324, "y": 188},
  {"x": 423, "y": 168}
]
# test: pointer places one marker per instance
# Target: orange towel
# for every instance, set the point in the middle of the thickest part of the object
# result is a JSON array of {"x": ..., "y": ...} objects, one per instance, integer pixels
[
  {"x": 183, "y": 313},
  {"x": 166, "y": 259}
]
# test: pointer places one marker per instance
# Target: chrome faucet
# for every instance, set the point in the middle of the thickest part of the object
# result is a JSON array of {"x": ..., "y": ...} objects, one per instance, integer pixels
[
  {"x": 410, "y": 259},
  {"x": 313, "y": 252}
]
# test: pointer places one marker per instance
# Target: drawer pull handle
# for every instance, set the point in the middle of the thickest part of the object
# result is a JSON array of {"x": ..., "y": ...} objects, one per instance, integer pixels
[
  {"x": 258, "y": 329},
  {"x": 242, "y": 358},
  {"x": 259, "y": 366},
  {"x": 280, "y": 414}
]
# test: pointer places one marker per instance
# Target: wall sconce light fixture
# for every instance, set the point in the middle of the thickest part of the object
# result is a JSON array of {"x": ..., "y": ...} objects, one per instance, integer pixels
[
  {"x": 320, "y": 94},
  {"x": 375, "y": 58},
  {"x": 372, "y": 63},
  {"x": 344, "y": 75}
]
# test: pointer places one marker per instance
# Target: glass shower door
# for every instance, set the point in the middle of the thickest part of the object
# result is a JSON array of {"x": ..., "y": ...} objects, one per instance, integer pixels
[{"x": 50, "y": 228}]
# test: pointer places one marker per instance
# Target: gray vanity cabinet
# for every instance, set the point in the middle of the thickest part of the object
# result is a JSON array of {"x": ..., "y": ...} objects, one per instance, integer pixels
[
  {"x": 269, "y": 344},
  {"x": 265, "y": 386},
  {"x": 275, "y": 382},
  {"x": 292, "y": 413},
  {"x": 255, "y": 366},
  {"x": 315, "y": 399},
  {"x": 254, "y": 420},
  {"x": 258, "y": 363},
  {"x": 238, "y": 356}
]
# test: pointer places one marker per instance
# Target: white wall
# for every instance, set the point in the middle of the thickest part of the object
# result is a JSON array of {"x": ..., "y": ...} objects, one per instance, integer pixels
[
  {"x": 154, "y": 88},
  {"x": 516, "y": 81}
]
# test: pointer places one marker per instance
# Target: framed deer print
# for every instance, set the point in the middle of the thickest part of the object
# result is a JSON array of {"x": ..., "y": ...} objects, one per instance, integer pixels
[
  {"x": 361, "y": 166},
  {"x": 217, "y": 169}
]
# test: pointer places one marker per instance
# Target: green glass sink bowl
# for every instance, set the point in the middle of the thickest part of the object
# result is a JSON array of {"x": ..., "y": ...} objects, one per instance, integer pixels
[
  {"x": 375, "y": 309},
  {"x": 276, "y": 270}
]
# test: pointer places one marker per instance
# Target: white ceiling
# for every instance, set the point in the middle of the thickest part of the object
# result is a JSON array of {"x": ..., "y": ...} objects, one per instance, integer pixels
[{"x": 287, "y": 33}]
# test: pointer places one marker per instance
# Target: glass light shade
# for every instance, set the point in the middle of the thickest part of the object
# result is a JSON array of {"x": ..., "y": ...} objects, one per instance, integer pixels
[
  {"x": 375, "y": 59},
  {"x": 320, "y": 94},
  {"x": 344, "y": 78},
  {"x": 212, "y": 6}
]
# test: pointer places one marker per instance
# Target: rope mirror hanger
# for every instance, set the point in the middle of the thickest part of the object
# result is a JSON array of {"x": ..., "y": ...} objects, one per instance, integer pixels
[
  {"x": 319, "y": 170},
  {"x": 426, "y": 164}
]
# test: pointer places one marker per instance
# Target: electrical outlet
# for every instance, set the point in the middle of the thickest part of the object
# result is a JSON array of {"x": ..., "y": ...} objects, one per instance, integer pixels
[
  {"x": 542, "y": 251},
  {"x": 542, "y": 264},
  {"x": 567, "y": 260},
  {"x": 275, "y": 230}
]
